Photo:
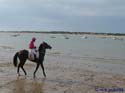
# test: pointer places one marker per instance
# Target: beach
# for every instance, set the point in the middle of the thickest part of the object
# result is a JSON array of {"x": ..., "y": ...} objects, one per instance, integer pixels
[{"x": 67, "y": 71}]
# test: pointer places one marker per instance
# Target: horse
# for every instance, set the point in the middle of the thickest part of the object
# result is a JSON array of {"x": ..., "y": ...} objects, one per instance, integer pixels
[{"x": 23, "y": 56}]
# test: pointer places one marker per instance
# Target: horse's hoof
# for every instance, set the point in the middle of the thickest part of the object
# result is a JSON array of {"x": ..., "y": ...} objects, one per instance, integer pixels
[
  {"x": 34, "y": 76},
  {"x": 19, "y": 75}
]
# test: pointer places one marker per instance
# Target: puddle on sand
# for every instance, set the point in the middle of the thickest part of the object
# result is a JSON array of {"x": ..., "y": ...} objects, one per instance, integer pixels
[{"x": 22, "y": 85}]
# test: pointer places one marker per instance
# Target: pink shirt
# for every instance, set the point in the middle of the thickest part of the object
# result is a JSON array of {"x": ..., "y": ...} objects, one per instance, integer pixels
[{"x": 31, "y": 45}]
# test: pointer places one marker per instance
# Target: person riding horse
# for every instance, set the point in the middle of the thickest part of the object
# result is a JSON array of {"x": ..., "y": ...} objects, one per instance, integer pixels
[
  {"x": 23, "y": 55},
  {"x": 32, "y": 49}
]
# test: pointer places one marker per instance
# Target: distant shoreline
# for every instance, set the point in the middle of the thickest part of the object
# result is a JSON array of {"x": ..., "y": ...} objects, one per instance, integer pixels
[{"x": 66, "y": 32}]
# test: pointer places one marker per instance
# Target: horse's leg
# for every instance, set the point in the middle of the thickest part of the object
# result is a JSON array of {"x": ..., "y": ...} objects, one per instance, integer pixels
[
  {"x": 18, "y": 69},
  {"x": 36, "y": 69},
  {"x": 43, "y": 70},
  {"x": 23, "y": 70},
  {"x": 22, "y": 64}
]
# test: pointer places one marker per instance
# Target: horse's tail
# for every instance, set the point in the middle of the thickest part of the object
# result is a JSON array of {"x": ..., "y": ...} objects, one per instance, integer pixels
[{"x": 15, "y": 59}]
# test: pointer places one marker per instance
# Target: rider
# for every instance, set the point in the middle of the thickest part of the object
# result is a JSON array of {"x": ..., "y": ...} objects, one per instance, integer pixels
[{"x": 32, "y": 48}]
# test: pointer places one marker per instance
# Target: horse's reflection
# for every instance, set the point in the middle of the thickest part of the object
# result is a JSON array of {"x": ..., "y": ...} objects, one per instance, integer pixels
[{"x": 23, "y": 85}]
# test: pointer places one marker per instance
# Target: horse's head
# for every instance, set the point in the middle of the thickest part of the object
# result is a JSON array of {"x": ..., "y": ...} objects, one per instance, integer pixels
[
  {"x": 44, "y": 46},
  {"x": 47, "y": 46}
]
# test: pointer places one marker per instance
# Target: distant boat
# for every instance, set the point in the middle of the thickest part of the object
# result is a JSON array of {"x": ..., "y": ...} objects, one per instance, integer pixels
[
  {"x": 16, "y": 35},
  {"x": 53, "y": 37},
  {"x": 120, "y": 38},
  {"x": 84, "y": 37},
  {"x": 116, "y": 38},
  {"x": 66, "y": 37},
  {"x": 103, "y": 37}
]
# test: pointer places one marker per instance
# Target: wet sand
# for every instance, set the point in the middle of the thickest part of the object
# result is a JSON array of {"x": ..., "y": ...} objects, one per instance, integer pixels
[{"x": 62, "y": 77}]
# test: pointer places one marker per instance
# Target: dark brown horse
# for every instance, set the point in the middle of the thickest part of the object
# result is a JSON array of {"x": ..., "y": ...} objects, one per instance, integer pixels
[{"x": 23, "y": 56}]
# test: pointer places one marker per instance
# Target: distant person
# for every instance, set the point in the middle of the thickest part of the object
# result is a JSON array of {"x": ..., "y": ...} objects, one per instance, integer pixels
[{"x": 32, "y": 48}]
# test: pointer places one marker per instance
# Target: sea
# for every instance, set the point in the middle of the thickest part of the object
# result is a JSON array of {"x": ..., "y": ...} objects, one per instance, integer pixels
[{"x": 105, "y": 53}]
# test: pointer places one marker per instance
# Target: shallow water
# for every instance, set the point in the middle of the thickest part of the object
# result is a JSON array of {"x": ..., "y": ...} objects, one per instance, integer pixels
[
  {"x": 106, "y": 54},
  {"x": 74, "y": 46}
]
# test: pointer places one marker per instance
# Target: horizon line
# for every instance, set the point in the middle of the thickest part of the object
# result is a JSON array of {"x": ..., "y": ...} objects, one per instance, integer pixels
[{"x": 66, "y": 32}]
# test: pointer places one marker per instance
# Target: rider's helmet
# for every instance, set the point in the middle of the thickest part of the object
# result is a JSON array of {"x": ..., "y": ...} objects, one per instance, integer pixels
[{"x": 33, "y": 39}]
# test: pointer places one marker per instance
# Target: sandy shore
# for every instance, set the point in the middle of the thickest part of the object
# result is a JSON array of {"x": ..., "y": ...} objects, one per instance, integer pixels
[
  {"x": 64, "y": 74},
  {"x": 62, "y": 77}
]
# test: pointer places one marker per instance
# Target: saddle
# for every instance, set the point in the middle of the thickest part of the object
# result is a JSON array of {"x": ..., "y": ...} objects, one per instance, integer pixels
[{"x": 32, "y": 56}]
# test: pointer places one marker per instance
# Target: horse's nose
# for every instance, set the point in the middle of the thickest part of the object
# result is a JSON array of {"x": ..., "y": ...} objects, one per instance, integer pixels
[{"x": 50, "y": 47}]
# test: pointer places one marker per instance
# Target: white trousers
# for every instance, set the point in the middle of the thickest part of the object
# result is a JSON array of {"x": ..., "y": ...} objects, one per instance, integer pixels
[{"x": 32, "y": 52}]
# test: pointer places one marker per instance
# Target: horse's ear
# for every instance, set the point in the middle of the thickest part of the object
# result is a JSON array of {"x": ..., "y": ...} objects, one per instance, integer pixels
[
  {"x": 44, "y": 42},
  {"x": 41, "y": 44}
]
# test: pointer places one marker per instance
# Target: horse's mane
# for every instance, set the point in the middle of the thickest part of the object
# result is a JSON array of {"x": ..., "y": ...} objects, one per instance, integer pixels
[{"x": 40, "y": 47}]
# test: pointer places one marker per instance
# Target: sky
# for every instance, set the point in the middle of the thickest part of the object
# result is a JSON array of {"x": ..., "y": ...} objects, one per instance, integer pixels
[{"x": 63, "y": 15}]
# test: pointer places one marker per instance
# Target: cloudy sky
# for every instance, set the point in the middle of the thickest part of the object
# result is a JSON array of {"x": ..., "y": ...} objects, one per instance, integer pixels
[{"x": 63, "y": 15}]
